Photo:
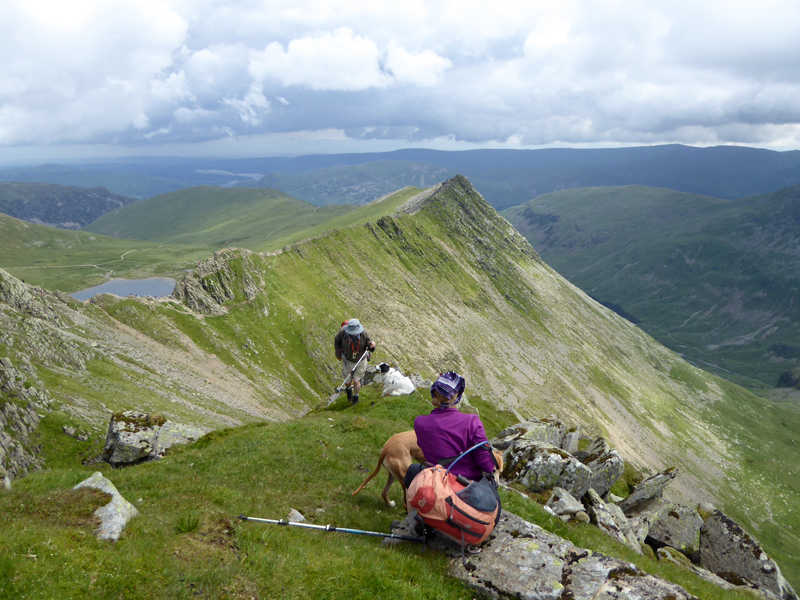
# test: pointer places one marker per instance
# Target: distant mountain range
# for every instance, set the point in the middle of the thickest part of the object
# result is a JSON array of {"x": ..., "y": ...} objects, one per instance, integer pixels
[
  {"x": 357, "y": 184},
  {"x": 504, "y": 177},
  {"x": 60, "y": 206},
  {"x": 716, "y": 280}
]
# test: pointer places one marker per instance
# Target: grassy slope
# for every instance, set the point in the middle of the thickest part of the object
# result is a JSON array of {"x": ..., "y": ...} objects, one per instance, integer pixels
[
  {"x": 258, "y": 219},
  {"x": 72, "y": 260},
  {"x": 713, "y": 279},
  {"x": 187, "y": 542},
  {"x": 455, "y": 287}
]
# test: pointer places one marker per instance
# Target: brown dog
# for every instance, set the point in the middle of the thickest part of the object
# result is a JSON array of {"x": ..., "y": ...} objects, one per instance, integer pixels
[{"x": 396, "y": 456}]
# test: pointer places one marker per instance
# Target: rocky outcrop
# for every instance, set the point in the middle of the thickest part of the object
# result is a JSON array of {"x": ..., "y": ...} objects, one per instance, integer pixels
[
  {"x": 115, "y": 515},
  {"x": 218, "y": 280},
  {"x": 135, "y": 437},
  {"x": 729, "y": 551},
  {"x": 522, "y": 560},
  {"x": 717, "y": 550},
  {"x": 650, "y": 488},
  {"x": 32, "y": 324},
  {"x": 539, "y": 466},
  {"x": 20, "y": 405}
]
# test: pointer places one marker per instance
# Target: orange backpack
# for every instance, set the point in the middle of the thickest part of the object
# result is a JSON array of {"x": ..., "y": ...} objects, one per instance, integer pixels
[{"x": 463, "y": 510}]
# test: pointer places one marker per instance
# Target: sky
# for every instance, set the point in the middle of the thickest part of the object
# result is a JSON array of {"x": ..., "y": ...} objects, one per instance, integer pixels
[{"x": 258, "y": 78}]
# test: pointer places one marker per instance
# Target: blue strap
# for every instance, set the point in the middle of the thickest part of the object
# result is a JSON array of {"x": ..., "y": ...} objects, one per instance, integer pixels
[{"x": 463, "y": 454}]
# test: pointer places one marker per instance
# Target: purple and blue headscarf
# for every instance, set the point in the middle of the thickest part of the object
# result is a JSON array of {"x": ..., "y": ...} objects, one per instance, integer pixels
[{"x": 451, "y": 385}]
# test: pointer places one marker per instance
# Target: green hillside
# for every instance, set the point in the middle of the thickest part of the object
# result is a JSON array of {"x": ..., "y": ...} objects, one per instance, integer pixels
[
  {"x": 441, "y": 282},
  {"x": 357, "y": 184},
  {"x": 186, "y": 541},
  {"x": 715, "y": 280},
  {"x": 73, "y": 260},
  {"x": 258, "y": 219}
]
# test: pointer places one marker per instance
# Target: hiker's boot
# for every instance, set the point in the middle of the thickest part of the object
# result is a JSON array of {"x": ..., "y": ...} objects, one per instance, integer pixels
[
  {"x": 355, "y": 399},
  {"x": 349, "y": 395}
]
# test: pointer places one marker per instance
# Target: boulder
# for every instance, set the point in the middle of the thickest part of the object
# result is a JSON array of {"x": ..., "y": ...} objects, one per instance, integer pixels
[
  {"x": 551, "y": 431},
  {"x": 115, "y": 515},
  {"x": 649, "y": 489},
  {"x": 677, "y": 527},
  {"x": 135, "y": 437},
  {"x": 562, "y": 503},
  {"x": 606, "y": 465},
  {"x": 731, "y": 553},
  {"x": 539, "y": 466}
]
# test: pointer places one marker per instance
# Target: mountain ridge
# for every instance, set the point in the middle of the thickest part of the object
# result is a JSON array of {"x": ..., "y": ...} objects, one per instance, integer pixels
[{"x": 448, "y": 285}]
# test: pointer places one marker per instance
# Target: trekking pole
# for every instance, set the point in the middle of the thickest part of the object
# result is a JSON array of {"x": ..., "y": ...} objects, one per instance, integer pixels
[
  {"x": 393, "y": 536},
  {"x": 339, "y": 389}
]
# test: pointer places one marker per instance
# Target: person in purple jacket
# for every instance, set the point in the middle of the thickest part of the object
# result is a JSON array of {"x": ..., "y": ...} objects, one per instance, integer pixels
[{"x": 445, "y": 432}]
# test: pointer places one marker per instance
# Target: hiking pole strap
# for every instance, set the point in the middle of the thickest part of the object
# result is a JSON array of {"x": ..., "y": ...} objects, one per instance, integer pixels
[{"x": 406, "y": 538}]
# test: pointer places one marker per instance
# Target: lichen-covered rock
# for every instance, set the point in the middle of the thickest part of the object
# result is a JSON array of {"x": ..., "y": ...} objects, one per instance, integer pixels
[
  {"x": 650, "y": 488},
  {"x": 539, "y": 466},
  {"x": 730, "y": 552},
  {"x": 135, "y": 437},
  {"x": 562, "y": 503},
  {"x": 606, "y": 465},
  {"x": 521, "y": 560},
  {"x": 550, "y": 432},
  {"x": 678, "y": 527},
  {"x": 114, "y": 515},
  {"x": 610, "y": 519}
]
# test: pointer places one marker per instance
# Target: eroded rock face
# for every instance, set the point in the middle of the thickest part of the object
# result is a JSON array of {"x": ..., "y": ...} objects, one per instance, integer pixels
[
  {"x": 20, "y": 405},
  {"x": 539, "y": 466},
  {"x": 215, "y": 281},
  {"x": 606, "y": 465},
  {"x": 730, "y": 552},
  {"x": 135, "y": 437}
]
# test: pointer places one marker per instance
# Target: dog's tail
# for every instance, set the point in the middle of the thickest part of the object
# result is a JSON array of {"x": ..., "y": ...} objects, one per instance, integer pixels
[{"x": 371, "y": 475}]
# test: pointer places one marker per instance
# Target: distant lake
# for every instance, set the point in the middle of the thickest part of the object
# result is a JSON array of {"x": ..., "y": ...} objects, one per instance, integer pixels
[{"x": 152, "y": 286}]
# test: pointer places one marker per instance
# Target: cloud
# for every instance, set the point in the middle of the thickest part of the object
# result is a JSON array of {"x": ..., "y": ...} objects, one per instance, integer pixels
[
  {"x": 340, "y": 61},
  {"x": 476, "y": 71},
  {"x": 252, "y": 107}
]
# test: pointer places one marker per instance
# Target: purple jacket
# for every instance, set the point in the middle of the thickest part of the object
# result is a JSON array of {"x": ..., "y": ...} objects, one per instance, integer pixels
[{"x": 446, "y": 433}]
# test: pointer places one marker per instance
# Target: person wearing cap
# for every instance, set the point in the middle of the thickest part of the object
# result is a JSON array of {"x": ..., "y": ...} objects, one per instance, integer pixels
[
  {"x": 446, "y": 432},
  {"x": 350, "y": 344}
]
